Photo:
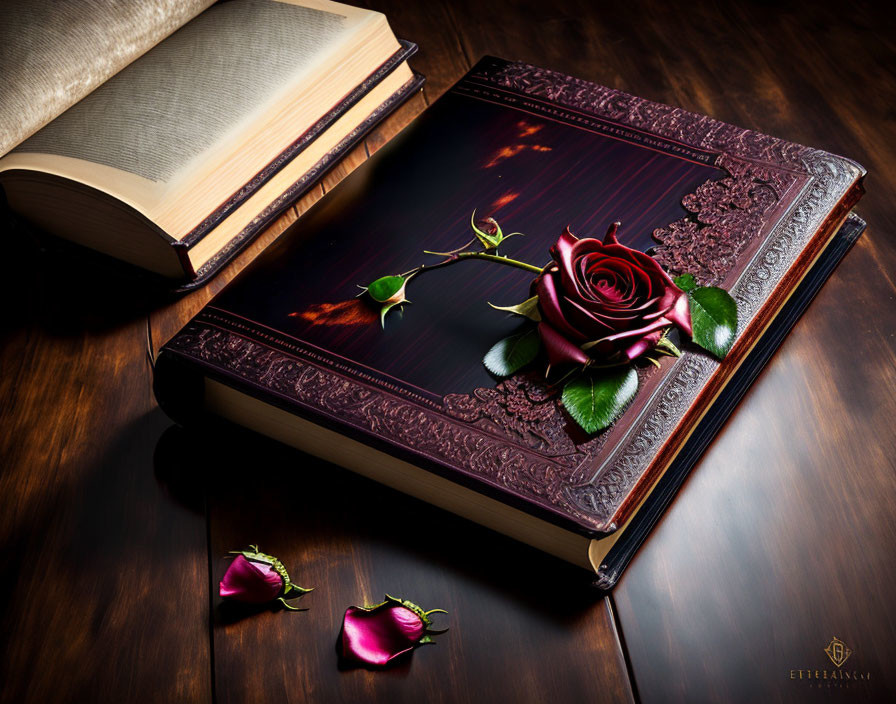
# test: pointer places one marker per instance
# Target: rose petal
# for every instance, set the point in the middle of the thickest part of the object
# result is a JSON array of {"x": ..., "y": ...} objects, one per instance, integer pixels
[
  {"x": 610, "y": 237},
  {"x": 646, "y": 343},
  {"x": 378, "y": 635},
  {"x": 609, "y": 322},
  {"x": 549, "y": 302},
  {"x": 599, "y": 287},
  {"x": 566, "y": 256},
  {"x": 639, "y": 332},
  {"x": 564, "y": 245},
  {"x": 680, "y": 314},
  {"x": 559, "y": 349},
  {"x": 250, "y": 582}
]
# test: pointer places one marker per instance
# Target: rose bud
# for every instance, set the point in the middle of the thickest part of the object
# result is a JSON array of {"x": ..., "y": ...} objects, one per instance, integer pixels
[
  {"x": 256, "y": 578},
  {"x": 603, "y": 301},
  {"x": 388, "y": 291},
  {"x": 376, "y": 635},
  {"x": 488, "y": 232}
]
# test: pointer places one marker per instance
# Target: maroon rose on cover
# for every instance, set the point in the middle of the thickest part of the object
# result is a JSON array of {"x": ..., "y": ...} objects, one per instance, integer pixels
[
  {"x": 597, "y": 309},
  {"x": 603, "y": 301},
  {"x": 256, "y": 578},
  {"x": 376, "y": 635}
]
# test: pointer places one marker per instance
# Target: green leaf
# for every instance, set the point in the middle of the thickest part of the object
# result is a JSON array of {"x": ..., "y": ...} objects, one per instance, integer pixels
[
  {"x": 596, "y": 399},
  {"x": 713, "y": 318},
  {"x": 513, "y": 353},
  {"x": 528, "y": 309},
  {"x": 685, "y": 282},
  {"x": 385, "y": 288}
]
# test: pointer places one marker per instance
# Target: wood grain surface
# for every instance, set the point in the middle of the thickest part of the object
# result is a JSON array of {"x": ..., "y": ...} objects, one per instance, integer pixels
[{"x": 115, "y": 522}]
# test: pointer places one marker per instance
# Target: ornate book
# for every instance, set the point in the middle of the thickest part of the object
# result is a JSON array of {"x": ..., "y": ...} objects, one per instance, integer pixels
[
  {"x": 173, "y": 159},
  {"x": 289, "y": 350}
]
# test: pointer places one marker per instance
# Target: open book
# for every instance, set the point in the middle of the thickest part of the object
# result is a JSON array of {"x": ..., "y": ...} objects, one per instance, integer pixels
[{"x": 167, "y": 133}]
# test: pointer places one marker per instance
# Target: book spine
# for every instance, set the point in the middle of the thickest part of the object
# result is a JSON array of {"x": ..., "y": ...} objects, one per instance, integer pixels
[{"x": 623, "y": 551}]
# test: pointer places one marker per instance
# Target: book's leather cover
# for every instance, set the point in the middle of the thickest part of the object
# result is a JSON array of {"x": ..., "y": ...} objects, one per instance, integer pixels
[{"x": 538, "y": 151}]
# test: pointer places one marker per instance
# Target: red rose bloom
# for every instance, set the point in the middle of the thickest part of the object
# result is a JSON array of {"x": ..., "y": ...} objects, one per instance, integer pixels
[{"x": 607, "y": 298}]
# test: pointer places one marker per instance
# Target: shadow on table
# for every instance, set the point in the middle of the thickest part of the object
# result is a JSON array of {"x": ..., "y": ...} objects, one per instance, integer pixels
[
  {"x": 66, "y": 289},
  {"x": 244, "y": 479}
]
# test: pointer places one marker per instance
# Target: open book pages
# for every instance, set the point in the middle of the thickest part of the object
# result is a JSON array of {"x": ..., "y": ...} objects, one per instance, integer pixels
[
  {"x": 179, "y": 130},
  {"x": 52, "y": 54}
]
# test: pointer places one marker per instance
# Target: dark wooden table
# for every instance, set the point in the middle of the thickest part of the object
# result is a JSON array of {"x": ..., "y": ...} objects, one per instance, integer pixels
[{"x": 114, "y": 522}]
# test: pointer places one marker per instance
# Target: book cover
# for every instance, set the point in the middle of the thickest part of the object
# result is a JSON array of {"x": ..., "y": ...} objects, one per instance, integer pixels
[{"x": 538, "y": 152}]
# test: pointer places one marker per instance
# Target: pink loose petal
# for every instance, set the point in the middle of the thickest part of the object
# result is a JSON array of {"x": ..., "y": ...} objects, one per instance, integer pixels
[
  {"x": 378, "y": 635},
  {"x": 250, "y": 582}
]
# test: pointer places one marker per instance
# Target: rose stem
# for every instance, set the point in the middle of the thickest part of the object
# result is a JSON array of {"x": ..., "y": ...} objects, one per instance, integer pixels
[{"x": 456, "y": 257}]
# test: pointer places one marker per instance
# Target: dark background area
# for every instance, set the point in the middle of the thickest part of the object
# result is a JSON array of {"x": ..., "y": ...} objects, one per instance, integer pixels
[{"x": 114, "y": 524}]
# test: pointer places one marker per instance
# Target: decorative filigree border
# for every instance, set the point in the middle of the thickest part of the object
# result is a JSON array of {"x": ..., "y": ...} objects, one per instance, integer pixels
[
  {"x": 663, "y": 120},
  {"x": 486, "y": 434},
  {"x": 724, "y": 217},
  {"x": 829, "y": 179},
  {"x": 604, "y": 491},
  {"x": 423, "y": 432}
]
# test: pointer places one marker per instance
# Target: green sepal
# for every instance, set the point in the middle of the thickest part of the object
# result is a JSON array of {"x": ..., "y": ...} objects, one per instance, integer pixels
[
  {"x": 685, "y": 282},
  {"x": 388, "y": 290},
  {"x": 389, "y": 306},
  {"x": 667, "y": 347},
  {"x": 289, "y": 590},
  {"x": 411, "y": 606},
  {"x": 511, "y": 354},
  {"x": 527, "y": 309},
  {"x": 294, "y": 590},
  {"x": 595, "y": 399},
  {"x": 287, "y": 605},
  {"x": 488, "y": 241},
  {"x": 713, "y": 319}
]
